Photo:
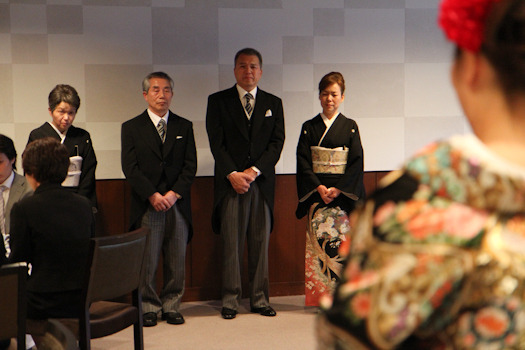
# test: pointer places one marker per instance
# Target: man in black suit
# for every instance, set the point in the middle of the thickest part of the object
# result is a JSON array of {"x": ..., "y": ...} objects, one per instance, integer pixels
[
  {"x": 245, "y": 128},
  {"x": 159, "y": 160}
]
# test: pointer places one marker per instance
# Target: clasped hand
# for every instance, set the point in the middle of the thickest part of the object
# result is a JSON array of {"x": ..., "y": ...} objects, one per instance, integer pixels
[
  {"x": 241, "y": 181},
  {"x": 162, "y": 203},
  {"x": 328, "y": 194}
]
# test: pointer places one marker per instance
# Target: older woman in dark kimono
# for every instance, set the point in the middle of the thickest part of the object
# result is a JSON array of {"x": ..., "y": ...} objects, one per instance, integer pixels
[{"x": 329, "y": 183}]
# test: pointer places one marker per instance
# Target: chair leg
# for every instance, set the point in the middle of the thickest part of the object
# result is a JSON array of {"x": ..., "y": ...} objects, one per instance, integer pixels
[
  {"x": 138, "y": 337},
  {"x": 84, "y": 331},
  {"x": 83, "y": 343},
  {"x": 21, "y": 341}
]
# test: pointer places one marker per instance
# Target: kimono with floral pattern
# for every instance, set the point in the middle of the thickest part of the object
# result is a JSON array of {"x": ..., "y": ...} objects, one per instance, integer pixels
[
  {"x": 435, "y": 258},
  {"x": 327, "y": 223}
]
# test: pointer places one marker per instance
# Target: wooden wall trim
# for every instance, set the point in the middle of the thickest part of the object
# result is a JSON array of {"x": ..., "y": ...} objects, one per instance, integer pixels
[{"x": 203, "y": 258}]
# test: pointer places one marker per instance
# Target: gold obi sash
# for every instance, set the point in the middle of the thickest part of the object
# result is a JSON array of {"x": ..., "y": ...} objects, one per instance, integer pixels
[{"x": 329, "y": 160}]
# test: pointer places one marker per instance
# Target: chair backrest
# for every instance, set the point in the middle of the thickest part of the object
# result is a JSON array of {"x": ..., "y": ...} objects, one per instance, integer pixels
[
  {"x": 13, "y": 302},
  {"x": 116, "y": 265}
]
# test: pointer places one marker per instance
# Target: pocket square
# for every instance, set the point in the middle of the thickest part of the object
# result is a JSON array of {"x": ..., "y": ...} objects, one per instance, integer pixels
[
  {"x": 268, "y": 113},
  {"x": 178, "y": 137}
]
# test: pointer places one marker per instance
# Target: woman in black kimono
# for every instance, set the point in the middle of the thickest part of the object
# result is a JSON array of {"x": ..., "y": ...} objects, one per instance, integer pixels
[
  {"x": 64, "y": 103},
  {"x": 329, "y": 183}
]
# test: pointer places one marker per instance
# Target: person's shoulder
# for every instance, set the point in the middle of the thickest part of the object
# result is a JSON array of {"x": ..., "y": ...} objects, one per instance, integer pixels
[
  {"x": 20, "y": 180},
  {"x": 58, "y": 192},
  {"x": 181, "y": 120},
  {"x": 75, "y": 131},
  {"x": 268, "y": 95},
  {"x": 26, "y": 201},
  {"x": 314, "y": 120},
  {"x": 346, "y": 119},
  {"x": 224, "y": 93},
  {"x": 40, "y": 132},
  {"x": 136, "y": 119},
  {"x": 81, "y": 200}
]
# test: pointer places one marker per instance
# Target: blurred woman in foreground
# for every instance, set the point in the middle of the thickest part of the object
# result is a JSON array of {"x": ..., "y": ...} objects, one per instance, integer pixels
[{"x": 437, "y": 254}]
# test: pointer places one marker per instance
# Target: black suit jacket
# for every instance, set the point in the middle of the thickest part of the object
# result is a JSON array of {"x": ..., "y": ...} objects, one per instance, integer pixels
[
  {"x": 51, "y": 230},
  {"x": 78, "y": 142},
  {"x": 237, "y": 146},
  {"x": 151, "y": 166}
]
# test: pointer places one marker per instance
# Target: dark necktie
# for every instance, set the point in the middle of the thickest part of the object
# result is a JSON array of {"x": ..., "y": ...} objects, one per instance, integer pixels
[
  {"x": 248, "y": 105},
  {"x": 161, "y": 128}
]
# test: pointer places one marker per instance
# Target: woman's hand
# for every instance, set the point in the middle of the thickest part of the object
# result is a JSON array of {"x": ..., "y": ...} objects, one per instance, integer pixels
[
  {"x": 324, "y": 193},
  {"x": 333, "y": 192}
]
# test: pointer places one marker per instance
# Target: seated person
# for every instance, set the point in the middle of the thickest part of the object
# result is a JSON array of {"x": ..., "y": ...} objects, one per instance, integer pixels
[
  {"x": 13, "y": 187},
  {"x": 51, "y": 231}
]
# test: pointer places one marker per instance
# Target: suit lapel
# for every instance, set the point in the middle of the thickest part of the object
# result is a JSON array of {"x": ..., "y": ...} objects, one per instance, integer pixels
[
  {"x": 259, "y": 111},
  {"x": 236, "y": 111},
  {"x": 149, "y": 134},
  {"x": 173, "y": 132},
  {"x": 14, "y": 192}
]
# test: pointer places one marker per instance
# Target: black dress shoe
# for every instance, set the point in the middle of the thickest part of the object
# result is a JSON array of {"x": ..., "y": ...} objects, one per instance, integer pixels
[
  {"x": 173, "y": 317},
  {"x": 228, "y": 314},
  {"x": 149, "y": 319},
  {"x": 264, "y": 311}
]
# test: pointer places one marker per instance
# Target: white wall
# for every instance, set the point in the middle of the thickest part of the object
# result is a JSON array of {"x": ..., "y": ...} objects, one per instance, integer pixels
[{"x": 391, "y": 52}]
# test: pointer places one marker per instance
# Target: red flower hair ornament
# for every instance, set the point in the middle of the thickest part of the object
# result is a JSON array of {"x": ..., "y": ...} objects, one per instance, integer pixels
[{"x": 463, "y": 21}]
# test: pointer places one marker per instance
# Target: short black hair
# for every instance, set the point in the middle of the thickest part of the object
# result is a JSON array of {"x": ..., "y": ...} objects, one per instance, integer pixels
[
  {"x": 7, "y": 147},
  {"x": 249, "y": 52},
  {"x": 63, "y": 93},
  {"x": 47, "y": 160}
]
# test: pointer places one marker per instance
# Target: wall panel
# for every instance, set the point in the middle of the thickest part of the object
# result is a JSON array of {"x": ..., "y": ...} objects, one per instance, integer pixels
[{"x": 203, "y": 260}]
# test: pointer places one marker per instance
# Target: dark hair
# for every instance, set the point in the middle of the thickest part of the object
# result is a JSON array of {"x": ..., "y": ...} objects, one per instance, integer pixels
[
  {"x": 63, "y": 93},
  {"x": 330, "y": 79},
  {"x": 504, "y": 44},
  {"x": 161, "y": 75},
  {"x": 47, "y": 160},
  {"x": 249, "y": 52},
  {"x": 7, "y": 147}
]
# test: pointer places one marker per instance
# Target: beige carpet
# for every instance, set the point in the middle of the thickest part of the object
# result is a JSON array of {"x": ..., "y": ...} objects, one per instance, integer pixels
[{"x": 292, "y": 328}]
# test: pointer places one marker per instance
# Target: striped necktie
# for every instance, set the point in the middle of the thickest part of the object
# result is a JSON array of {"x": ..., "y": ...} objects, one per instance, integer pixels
[
  {"x": 161, "y": 128},
  {"x": 248, "y": 105}
]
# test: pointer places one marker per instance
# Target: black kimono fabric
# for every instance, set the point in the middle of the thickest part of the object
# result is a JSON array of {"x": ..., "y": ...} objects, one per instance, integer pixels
[
  {"x": 343, "y": 132},
  {"x": 78, "y": 143}
]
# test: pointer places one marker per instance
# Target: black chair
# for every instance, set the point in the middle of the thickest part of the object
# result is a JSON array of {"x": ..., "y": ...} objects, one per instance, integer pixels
[
  {"x": 115, "y": 270},
  {"x": 13, "y": 303}
]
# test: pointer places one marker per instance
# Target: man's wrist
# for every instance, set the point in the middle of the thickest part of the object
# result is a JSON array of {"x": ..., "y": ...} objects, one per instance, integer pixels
[{"x": 257, "y": 171}]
